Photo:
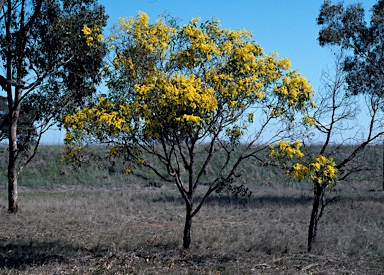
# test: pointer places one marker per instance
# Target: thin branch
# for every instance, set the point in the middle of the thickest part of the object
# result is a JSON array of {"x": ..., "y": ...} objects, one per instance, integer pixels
[
  {"x": 352, "y": 171},
  {"x": 1, "y": 4},
  {"x": 34, "y": 151},
  {"x": 33, "y": 17},
  {"x": 208, "y": 158},
  {"x": 369, "y": 139}
]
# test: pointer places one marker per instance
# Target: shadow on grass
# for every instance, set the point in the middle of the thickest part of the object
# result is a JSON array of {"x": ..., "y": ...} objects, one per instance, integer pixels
[
  {"x": 21, "y": 255},
  {"x": 253, "y": 201},
  {"x": 269, "y": 200}
]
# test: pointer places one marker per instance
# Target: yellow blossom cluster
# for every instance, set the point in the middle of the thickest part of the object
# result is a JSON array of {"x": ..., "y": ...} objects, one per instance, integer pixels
[
  {"x": 92, "y": 35},
  {"x": 294, "y": 89},
  {"x": 324, "y": 170},
  {"x": 308, "y": 120},
  {"x": 201, "y": 45},
  {"x": 321, "y": 170},
  {"x": 149, "y": 37},
  {"x": 104, "y": 118},
  {"x": 177, "y": 100},
  {"x": 299, "y": 171},
  {"x": 240, "y": 72},
  {"x": 286, "y": 149}
]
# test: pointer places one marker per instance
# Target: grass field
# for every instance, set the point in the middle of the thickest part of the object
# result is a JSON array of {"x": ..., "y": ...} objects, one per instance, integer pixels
[{"x": 88, "y": 221}]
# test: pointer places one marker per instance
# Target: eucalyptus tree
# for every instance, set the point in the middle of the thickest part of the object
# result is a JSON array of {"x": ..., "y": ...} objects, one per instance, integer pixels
[
  {"x": 362, "y": 43},
  {"x": 48, "y": 69}
]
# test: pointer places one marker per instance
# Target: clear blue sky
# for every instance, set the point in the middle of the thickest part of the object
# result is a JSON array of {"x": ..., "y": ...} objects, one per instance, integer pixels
[{"x": 285, "y": 26}]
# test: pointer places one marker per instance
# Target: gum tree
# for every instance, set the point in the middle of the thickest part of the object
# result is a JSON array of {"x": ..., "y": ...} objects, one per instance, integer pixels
[
  {"x": 174, "y": 90},
  {"x": 48, "y": 69},
  {"x": 362, "y": 43}
]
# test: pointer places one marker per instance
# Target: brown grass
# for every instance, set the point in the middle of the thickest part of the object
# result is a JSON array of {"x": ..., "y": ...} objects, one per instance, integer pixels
[{"x": 134, "y": 229}]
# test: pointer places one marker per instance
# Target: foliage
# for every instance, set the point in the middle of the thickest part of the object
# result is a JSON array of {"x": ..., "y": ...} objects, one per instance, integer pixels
[
  {"x": 197, "y": 74},
  {"x": 56, "y": 55},
  {"x": 57, "y": 70},
  {"x": 174, "y": 87},
  {"x": 345, "y": 27},
  {"x": 49, "y": 69}
]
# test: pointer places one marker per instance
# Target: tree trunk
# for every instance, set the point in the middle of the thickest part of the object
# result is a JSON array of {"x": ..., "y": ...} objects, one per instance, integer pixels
[
  {"x": 13, "y": 108},
  {"x": 12, "y": 168},
  {"x": 317, "y": 211},
  {"x": 187, "y": 227}
]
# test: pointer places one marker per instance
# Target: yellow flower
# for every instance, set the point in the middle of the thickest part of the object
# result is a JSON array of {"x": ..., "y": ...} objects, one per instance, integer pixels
[
  {"x": 308, "y": 120},
  {"x": 86, "y": 30},
  {"x": 68, "y": 137},
  {"x": 128, "y": 170},
  {"x": 300, "y": 171},
  {"x": 330, "y": 171},
  {"x": 316, "y": 166},
  {"x": 141, "y": 160}
]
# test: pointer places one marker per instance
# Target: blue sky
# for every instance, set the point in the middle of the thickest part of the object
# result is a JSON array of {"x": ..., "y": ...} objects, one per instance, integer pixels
[{"x": 284, "y": 26}]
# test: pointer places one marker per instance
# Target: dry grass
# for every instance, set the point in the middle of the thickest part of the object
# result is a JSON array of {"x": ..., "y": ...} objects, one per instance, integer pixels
[
  {"x": 138, "y": 230},
  {"x": 90, "y": 222}
]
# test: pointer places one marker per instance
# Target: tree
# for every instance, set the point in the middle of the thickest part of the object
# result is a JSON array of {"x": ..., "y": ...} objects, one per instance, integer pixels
[
  {"x": 176, "y": 92},
  {"x": 346, "y": 28},
  {"x": 363, "y": 44},
  {"x": 49, "y": 68},
  {"x": 326, "y": 160}
]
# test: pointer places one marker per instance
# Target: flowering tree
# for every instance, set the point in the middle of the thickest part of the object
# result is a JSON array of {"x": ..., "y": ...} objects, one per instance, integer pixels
[
  {"x": 173, "y": 88},
  {"x": 319, "y": 170},
  {"x": 335, "y": 113}
]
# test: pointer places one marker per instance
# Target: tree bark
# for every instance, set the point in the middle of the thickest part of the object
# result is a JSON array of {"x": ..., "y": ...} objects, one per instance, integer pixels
[
  {"x": 187, "y": 227},
  {"x": 13, "y": 108},
  {"x": 13, "y": 151},
  {"x": 317, "y": 211},
  {"x": 13, "y": 206}
]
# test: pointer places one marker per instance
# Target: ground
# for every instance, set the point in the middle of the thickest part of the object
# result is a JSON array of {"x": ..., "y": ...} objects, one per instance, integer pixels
[{"x": 137, "y": 229}]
